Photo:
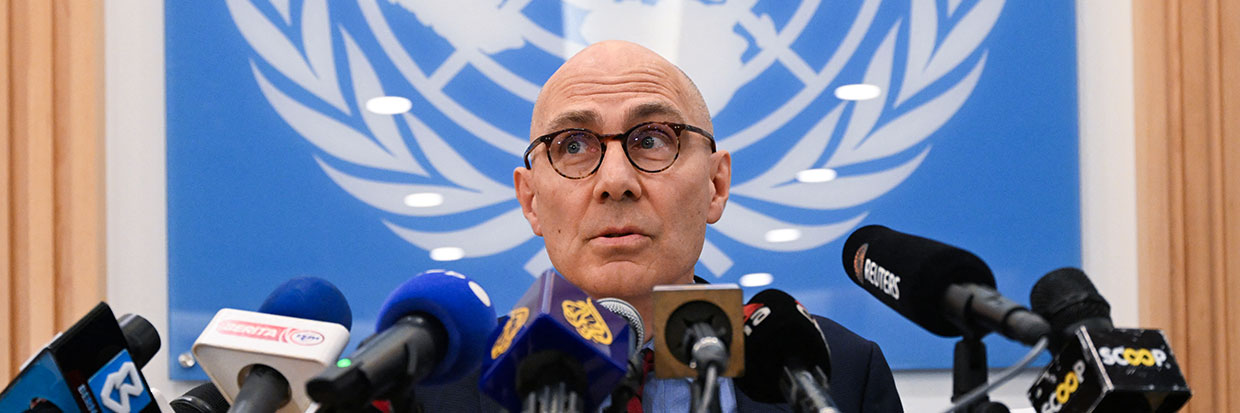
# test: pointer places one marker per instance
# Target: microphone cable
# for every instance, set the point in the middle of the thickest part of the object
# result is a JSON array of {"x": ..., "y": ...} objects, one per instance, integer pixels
[{"x": 1004, "y": 377}]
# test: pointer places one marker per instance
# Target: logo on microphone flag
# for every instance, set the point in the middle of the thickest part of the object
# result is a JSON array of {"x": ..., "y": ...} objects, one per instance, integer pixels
[
  {"x": 119, "y": 387},
  {"x": 584, "y": 316},
  {"x": 516, "y": 320},
  {"x": 270, "y": 332}
]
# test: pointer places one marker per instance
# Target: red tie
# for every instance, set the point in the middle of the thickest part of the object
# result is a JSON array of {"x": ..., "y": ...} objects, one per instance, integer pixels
[{"x": 635, "y": 403}]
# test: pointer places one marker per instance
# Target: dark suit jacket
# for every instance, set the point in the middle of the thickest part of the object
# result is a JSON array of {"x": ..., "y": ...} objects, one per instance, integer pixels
[{"x": 860, "y": 382}]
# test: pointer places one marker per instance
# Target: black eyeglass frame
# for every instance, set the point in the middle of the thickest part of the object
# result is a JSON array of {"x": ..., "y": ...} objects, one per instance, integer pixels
[{"x": 677, "y": 128}]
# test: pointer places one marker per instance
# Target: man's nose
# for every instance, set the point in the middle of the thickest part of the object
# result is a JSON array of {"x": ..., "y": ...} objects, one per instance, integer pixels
[{"x": 617, "y": 178}]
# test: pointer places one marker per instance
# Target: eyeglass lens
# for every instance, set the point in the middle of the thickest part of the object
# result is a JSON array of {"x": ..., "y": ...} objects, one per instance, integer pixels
[{"x": 651, "y": 147}]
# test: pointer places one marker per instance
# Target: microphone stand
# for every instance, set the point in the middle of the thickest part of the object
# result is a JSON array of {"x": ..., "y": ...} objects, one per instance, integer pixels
[
  {"x": 969, "y": 371},
  {"x": 708, "y": 356}
]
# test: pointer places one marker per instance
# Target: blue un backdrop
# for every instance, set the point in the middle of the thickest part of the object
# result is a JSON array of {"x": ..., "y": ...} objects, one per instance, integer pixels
[{"x": 276, "y": 169}]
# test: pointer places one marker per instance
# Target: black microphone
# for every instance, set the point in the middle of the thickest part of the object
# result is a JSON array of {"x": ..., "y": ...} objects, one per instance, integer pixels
[
  {"x": 204, "y": 398},
  {"x": 786, "y": 355},
  {"x": 1099, "y": 368},
  {"x": 944, "y": 289},
  {"x": 1068, "y": 300},
  {"x": 698, "y": 335},
  {"x": 140, "y": 336},
  {"x": 432, "y": 329}
]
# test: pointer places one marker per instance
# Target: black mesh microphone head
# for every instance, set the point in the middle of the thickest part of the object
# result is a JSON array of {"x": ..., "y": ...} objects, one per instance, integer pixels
[
  {"x": 1067, "y": 299},
  {"x": 779, "y": 332},
  {"x": 141, "y": 338},
  {"x": 910, "y": 274},
  {"x": 202, "y": 399}
]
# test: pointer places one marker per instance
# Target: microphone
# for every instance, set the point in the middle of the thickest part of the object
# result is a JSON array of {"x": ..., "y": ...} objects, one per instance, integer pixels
[
  {"x": 637, "y": 338},
  {"x": 699, "y": 335},
  {"x": 1068, "y": 300},
  {"x": 786, "y": 355},
  {"x": 432, "y": 329},
  {"x": 89, "y": 367},
  {"x": 944, "y": 289},
  {"x": 204, "y": 398},
  {"x": 259, "y": 360},
  {"x": 1098, "y": 367},
  {"x": 143, "y": 342},
  {"x": 556, "y": 352},
  {"x": 141, "y": 338},
  {"x": 637, "y": 330}
]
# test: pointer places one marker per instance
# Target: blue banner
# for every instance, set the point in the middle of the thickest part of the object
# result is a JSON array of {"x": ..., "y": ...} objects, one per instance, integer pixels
[{"x": 276, "y": 168}]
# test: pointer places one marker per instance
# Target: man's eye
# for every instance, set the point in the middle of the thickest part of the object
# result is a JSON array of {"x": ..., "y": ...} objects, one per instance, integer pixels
[
  {"x": 648, "y": 142},
  {"x": 576, "y": 144},
  {"x": 652, "y": 141}
]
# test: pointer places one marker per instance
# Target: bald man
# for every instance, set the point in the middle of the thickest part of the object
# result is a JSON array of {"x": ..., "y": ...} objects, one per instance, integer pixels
[{"x": 620, "y": 179}]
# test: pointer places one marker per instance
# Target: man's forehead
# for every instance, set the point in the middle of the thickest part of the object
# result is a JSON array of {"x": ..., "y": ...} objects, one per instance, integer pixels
[
  {"x": 610, "y": 79},
  {"x": 633, "y": 114}
]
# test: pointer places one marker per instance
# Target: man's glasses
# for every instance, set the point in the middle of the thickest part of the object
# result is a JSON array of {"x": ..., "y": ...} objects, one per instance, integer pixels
[{"x": 651, "y": 147}]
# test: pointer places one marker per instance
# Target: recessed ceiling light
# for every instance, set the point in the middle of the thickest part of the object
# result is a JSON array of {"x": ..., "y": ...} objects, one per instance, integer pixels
[
  {"x": 859, "y": 91},
  {"x": 816, "y": 175},
  {"x": 783, "y": 235},
  {"x": 388, "y": 105},
  {"x": 424, "y": 199},
  {"x": 757, "y": 279},
  {"x": 447, "y": 254}
]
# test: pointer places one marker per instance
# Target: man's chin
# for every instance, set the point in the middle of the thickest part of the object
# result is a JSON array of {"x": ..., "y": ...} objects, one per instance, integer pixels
[{"x": 622, "y": 280}]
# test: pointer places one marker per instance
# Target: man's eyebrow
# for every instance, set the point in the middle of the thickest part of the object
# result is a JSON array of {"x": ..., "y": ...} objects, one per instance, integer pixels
[
  {"x": 573, "y": 118},
  {"x": 638, "y": 113},
  {"x": 647, "y": 110}
]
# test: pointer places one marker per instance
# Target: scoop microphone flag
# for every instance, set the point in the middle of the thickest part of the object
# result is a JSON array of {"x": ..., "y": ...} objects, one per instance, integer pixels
[
  {"x": 432, "y": 329},
  {"x": 786, "y": 356},
  {"x": 556, "y": 351},
  {"x": 1097, "y": 367},
  {"x": 260, "y": 360},
  {"x": 944, "y": 289}
]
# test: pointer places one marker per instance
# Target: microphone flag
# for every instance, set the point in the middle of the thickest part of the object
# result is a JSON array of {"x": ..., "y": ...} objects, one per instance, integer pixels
[
  {"x": 1112, "y": 370},
  {"x": 556, "y": 332}
]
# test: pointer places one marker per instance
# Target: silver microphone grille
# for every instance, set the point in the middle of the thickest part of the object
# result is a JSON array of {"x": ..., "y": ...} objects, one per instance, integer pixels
[{"x": 629, "y": 313}]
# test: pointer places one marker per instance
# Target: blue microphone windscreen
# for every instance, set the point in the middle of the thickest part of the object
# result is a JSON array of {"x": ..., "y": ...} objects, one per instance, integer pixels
[
  {"x": 460, "y": 304},
  {"x": 311, "y": 298}
]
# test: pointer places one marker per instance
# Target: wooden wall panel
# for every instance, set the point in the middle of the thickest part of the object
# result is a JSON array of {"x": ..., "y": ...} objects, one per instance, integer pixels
[
  {"x": 33, "y": 245},
  {"x": 78, "y": 102},
  {"x": 6, "y": 260},
  {"x": 1229, "y": 85},
  {"x": 1188, "y": 156},
  {"x": 51, "y": 184}
]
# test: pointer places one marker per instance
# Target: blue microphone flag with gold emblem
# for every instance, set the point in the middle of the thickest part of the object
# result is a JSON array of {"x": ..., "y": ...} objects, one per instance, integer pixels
[{"x": 556, "y": 333}]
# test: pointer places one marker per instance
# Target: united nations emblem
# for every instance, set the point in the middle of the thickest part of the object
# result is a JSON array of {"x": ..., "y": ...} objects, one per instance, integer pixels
[{"x": 470, "y": 84}]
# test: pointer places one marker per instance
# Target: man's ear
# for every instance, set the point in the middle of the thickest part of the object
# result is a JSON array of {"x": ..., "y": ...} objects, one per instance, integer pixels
[
  {"x": 721, "y": 182},
  {"x": 522, "y": 180}
]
